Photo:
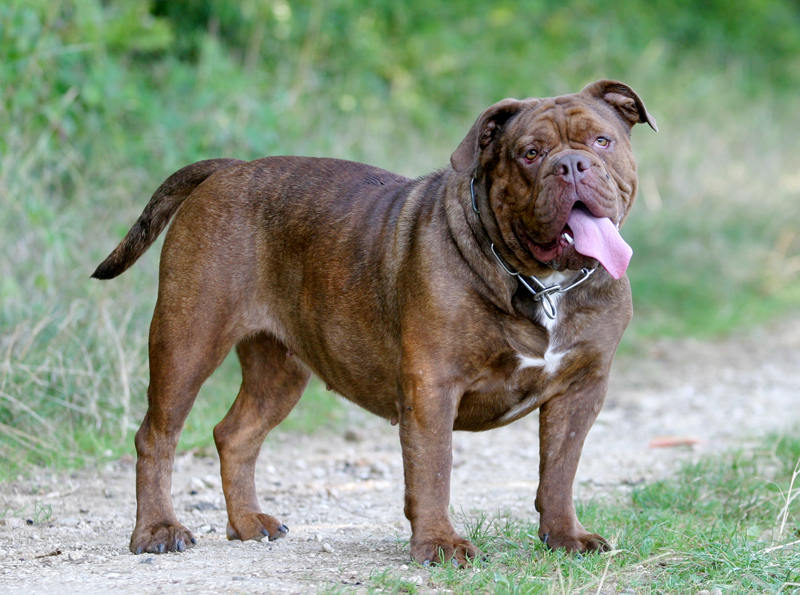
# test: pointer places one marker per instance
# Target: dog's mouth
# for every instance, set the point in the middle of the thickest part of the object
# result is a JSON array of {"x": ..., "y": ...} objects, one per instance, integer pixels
[
  {"x": 549, "y": 251},
  {"x": 587, "y": 235}
]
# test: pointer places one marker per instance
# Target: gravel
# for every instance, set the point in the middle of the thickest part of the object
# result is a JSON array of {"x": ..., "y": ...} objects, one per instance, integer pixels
[{"x": 342, "y": 494}]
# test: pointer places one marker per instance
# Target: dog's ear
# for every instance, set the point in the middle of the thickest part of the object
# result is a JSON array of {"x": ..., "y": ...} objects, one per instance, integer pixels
[
  {"x": 482, "y": 133},
  {"x": 623, "y": 99}
]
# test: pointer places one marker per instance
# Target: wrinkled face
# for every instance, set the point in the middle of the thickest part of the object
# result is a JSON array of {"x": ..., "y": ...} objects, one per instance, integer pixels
[
  {"x": 557, "y": 156},
  {"x": 559, "y": 174}
]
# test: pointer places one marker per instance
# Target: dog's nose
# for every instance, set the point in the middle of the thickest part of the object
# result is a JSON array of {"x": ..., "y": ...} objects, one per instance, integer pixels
[{"x": 572, "y": 167}]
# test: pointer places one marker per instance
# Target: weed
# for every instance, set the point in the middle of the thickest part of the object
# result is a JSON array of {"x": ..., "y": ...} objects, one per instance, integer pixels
[{"x": 42, "y": 513}]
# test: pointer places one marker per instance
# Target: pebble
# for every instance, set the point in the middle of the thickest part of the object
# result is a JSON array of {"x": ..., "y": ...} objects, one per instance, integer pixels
[
  {"x": 353, "y": 435},
  {"x": 195, "y": 485}
]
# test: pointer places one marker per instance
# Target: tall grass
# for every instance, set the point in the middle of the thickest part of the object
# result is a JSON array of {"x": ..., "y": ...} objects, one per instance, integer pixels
[{"x": 102, "y": 101}]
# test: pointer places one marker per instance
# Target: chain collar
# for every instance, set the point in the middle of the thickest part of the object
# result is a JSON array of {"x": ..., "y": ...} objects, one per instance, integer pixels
[{"x": 541, "y": 292}]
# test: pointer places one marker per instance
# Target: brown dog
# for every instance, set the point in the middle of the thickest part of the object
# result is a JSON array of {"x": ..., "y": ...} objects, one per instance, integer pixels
[{"x": 459, "y": 301}]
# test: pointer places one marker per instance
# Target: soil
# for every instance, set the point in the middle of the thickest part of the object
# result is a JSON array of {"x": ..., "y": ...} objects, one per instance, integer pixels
[{"x": 342, "y": 494}]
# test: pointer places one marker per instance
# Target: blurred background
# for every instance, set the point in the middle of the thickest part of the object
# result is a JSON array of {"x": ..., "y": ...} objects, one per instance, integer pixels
[{"x": 102, "y": 100}]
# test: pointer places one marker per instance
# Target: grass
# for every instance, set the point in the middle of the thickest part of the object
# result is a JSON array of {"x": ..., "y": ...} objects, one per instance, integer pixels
[
  {"x": 102, "y": 101},
  {"x": 730, "y": 522},
  {"x": 76, "y": 401}
]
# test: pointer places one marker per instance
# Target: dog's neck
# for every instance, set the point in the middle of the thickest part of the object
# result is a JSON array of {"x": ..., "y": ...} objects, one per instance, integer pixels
[{"x": 546, "y": 295}]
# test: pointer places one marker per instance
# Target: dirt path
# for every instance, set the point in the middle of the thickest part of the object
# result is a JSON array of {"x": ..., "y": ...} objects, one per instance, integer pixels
[{"x": 341, "y": 495}]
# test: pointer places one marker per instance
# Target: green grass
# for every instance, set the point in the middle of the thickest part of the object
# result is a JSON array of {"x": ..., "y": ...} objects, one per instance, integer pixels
[
  {"x": 730, "y": 522},
  {"x": 70, "y": 398},
  {"x": 102, "y": 101}
]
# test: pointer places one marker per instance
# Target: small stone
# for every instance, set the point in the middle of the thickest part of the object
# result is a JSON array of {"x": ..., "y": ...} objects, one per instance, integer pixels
[
  {"x": 326, "y": 547},
  {"x": 68, "y": 520},
  {"x": 353, "y": 435},
  {"x": 201, "y": 506},
  {"x": 195, "y": 485},
  {"x": 211, "y": 481},
  {"x": 380, "y": 469}
]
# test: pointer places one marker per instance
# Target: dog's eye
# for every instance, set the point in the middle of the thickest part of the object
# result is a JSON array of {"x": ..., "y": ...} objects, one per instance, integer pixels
[
  {"x": 531, "y": 154},
  {"x": 602, "y": 141}
]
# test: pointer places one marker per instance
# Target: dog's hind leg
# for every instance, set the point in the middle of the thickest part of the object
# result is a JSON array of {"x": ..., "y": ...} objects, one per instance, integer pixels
[
  {"x": 273, "y": 381},
  {"x": 186, "y": 346}
]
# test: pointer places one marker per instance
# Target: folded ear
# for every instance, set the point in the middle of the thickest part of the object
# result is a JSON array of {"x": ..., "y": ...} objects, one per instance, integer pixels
[
  {"x": 483, "y": 132},
  {"x": 623, "y": 99}
]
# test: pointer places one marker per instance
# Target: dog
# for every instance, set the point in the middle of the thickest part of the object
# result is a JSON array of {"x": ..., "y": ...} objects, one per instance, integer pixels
[{"x": 462, "y": 300}]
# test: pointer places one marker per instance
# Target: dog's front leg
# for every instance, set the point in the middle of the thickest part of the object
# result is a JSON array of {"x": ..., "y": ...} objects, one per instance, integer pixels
[
  {"x": 426, "y": 430},
  {"x": 564, "y": 422}
]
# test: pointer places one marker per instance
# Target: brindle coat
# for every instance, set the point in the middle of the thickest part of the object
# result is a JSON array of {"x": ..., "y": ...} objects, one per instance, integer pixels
[{"x": 388, "y": 290}]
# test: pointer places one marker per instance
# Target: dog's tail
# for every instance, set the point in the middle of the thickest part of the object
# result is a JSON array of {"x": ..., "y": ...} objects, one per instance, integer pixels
[{"x": 157, "y": 214}]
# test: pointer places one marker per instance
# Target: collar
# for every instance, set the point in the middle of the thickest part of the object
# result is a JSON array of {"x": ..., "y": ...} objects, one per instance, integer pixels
[{"x": 541, "y": 292}]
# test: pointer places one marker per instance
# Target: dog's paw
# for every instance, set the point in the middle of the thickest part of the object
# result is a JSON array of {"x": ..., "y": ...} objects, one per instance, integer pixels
[
  {"x": 579, "y": 543},
  {"x": 161, "y": 538},
  {"x": 256, "y": 525},
  {"x": 456, "y": 551}
]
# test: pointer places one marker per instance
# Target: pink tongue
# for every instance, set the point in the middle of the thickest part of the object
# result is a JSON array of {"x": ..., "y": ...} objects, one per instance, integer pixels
[{"x": 600, "y": 239}]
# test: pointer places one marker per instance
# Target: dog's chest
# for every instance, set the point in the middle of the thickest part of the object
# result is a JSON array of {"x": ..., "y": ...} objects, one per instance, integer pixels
[{"x": 532, "y": 367}]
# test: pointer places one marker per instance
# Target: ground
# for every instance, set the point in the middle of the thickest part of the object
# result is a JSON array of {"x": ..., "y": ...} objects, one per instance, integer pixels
[{"x": 342, "y": 494}]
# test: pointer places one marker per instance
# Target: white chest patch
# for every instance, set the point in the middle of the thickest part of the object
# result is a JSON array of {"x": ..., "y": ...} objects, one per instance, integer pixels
[
  {"x": 550, "y": 362},
  {"x": 557, "y": 278}
]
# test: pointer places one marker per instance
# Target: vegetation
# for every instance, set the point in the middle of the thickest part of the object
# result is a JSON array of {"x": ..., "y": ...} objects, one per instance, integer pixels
[
  {"x": 729, "y": 524},
  {"x": 103, "y": 100}
]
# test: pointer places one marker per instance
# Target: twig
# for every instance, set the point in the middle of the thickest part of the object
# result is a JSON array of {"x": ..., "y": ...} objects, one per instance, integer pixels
[
  {"x": 789, "y": 498},
  {"x": 53, "y": 553},
  {"x": 780, "y": 547}
]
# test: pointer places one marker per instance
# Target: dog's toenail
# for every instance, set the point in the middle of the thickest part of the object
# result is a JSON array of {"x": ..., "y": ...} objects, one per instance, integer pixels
[
  {"x": 193, "y": 540},
  {"x": 283, "y": 529},
  {"x": 454, "y": 562},
  {"x": 426, "y": 563},
  {"x": 139, "y": 550},
  {"x": 179, "y": 545},
  {"x": 161, "y": 548},
  {"x": 545, "y": 537}
]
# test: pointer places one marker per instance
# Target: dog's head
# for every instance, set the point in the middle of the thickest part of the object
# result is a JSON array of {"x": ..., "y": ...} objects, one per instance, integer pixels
[{"x": 558, "y": 175}]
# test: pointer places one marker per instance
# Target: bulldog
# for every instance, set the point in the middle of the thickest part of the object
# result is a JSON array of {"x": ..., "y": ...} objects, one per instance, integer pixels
[{"x": 462, "y": 300}]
